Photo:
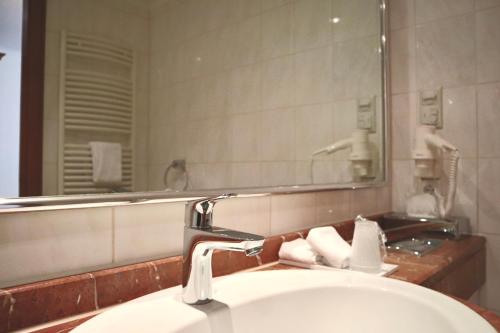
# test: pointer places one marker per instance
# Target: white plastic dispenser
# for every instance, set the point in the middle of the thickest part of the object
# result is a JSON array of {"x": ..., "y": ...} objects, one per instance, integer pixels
[{"x": 368, "y": 246}]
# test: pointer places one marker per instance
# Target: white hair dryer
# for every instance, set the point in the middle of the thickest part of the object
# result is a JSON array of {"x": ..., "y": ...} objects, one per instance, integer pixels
[
  {"x": 360, "y": 157},
  {"x": 427, "y": 144}
]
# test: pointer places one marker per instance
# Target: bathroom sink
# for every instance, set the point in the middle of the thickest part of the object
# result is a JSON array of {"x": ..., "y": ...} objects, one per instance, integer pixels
[{"x": 295, "y": 301}]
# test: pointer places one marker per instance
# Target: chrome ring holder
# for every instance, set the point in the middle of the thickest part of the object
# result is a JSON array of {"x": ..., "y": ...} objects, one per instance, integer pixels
[{"x": 179, "y": 165}]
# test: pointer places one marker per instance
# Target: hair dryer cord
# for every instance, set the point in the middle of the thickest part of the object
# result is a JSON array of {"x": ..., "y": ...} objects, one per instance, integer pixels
[{"x": 452, "y": 183}]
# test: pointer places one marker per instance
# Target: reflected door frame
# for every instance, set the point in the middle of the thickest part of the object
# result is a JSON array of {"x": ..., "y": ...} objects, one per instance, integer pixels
[{"x": 32, "y": 79}]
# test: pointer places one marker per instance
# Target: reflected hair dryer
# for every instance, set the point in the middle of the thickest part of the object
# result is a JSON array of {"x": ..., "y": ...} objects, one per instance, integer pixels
[{"x": 360, "y": 156}]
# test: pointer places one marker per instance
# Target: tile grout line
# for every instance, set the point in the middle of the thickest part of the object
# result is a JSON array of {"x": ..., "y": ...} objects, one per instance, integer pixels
[{"x": 113, "y": 235}]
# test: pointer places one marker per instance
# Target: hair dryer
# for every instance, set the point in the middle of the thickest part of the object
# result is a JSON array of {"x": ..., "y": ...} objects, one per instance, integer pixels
[
  {"x": 360, "y": 157},
  {"x": 427, "y": 143}
]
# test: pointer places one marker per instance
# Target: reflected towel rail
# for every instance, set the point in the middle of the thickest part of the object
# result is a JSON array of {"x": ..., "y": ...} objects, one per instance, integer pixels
[{"x": 96, "y": 104}]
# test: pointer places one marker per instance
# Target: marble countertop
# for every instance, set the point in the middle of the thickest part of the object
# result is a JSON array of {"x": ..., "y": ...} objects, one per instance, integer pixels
[{"x": 426, "y": 271}]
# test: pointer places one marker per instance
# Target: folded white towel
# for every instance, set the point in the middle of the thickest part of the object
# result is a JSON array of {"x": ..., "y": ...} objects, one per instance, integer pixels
[
  {"x": 327, "y": 242},
  {"x": 299, "y": 250},
  {"x": 106, "y": 163}
]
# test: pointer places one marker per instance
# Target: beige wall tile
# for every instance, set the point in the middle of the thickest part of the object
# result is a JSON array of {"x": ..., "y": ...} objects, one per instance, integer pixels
[
  {"x": 246, "y": 214},
  {"x": 402, "y": 52},
  {"x": 49, "y": 179},
  {"x": 218, "y": 145},
  {"x": 356, "y": 68},
  {"x": 277, "y": 34},
  {"x": 50, "y": 141},
  {"x": 52, "y": 53},
  {"x": 247, "y": 47},
  {"x": 364, "y": 202},
  {"x": 159, "y": 137},
  {"x": 326, "y": 172},
  {"x": 53, "y": 16},
  {"x": 314, "y": 129},
  {"x": 402, "y": 183},
  {"x": 344, "y": 122},
  {"x": 148, "y": 230},
  {"x": 402, "y": 125},
  {"x": 210, "y": 176},
  {"x": 401, "y": 14},
  {"x": 482, "y": 4},
  {"x": 268, "y": 4},
  {"x": 488, "y": 45},
  {"x": 488, "y": 196},
  {"x": 466, "y": 195},
  {"x": 313, "y": 76},
  {"x": 244, "y": 89},
  {"x": 246, "y": 174},
  {"x": 358, "y": 18},
  {"x": 312, "y": 27},
  {"x": 333, "y": 206},
  {"x": 278, "y": 135},
  {"x": 141, "y": 178},
  {"x": 384, "y": 199},
  {"x": 246, "y": 135},
  {"x": 428, "y": 10},
  {"x": 50, "y": 243},
  {"x": 490, "y": 293},
  {"x": 292, "y": 212},
  {"x": 445, "y": 53},
  {"x": 488, "y": 99},
  {"x": 277, "y": 82},
  {"x": 460, "y": 119},
  {"x": 278, "y": 173},
  {"x": 51, "y": 97}
]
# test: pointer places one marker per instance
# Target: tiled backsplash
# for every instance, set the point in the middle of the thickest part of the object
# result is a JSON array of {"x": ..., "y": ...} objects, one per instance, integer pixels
[
  {"x": 454, "y": 44},
  {"x": 43, "y": 244}
]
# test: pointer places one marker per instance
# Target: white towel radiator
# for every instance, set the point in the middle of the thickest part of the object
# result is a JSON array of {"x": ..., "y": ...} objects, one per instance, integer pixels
[{"x": 96, "y": 103}]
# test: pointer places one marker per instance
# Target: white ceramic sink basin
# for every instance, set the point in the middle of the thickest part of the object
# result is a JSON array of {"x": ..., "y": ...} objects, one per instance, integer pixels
[{"x": 295, "y": 301}]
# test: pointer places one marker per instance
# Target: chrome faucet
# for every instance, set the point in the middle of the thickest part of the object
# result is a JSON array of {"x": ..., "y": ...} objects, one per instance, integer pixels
[{"x": 200, "y": 240}]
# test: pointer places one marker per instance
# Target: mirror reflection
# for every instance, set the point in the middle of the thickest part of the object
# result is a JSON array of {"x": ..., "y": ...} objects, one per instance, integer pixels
[{"x": 188, "y": 95}]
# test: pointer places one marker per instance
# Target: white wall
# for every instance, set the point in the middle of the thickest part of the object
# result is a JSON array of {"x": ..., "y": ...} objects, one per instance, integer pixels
[
  {"x": 10, "y": 92},
  {"x": 454, "y": 44}
]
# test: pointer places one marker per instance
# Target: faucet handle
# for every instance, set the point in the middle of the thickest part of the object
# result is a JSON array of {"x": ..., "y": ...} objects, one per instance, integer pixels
[{"x": 199, "y": 212}]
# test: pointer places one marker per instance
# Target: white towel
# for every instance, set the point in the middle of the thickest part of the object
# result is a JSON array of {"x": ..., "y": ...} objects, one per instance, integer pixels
[
  {"x": 328, "y": 243},
  {"x": 106, "y": 163},
  {"x": 299, "y": 250}
]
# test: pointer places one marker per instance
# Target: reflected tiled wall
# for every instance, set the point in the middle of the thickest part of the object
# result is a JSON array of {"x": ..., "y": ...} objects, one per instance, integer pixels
[
  {"x": 454, "y": 44},
  {"x": 126, "y": 22},
  {"x": 245, "y": 91},
  {"x": 36, "y": 245}
]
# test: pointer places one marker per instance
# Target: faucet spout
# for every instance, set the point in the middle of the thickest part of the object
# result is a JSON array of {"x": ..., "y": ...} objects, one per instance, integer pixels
[{"x": 200, "y": 240}]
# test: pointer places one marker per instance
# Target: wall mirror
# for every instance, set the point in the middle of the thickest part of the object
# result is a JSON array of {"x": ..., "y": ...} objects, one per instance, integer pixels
[{"x": 177, "y": 96}]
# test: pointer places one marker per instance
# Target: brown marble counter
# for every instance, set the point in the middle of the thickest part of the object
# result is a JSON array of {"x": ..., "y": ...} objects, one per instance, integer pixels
[{"x": 430, "y": 271}]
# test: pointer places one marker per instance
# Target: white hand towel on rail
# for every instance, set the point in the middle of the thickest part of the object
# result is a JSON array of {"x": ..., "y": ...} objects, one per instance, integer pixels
[
  {"x": 106, "y": 163},
  {"x": 299, "y": 250},
  {"x": 328, "y": 243}
]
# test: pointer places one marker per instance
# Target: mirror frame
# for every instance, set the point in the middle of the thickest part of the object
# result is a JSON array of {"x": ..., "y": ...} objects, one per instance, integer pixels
[{"x": 32, "y": 111}]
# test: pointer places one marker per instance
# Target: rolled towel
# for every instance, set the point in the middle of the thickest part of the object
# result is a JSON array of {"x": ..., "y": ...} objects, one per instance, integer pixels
[
  {"x": 299, "y": 250},
  {"x": 327, "y": 242}
]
